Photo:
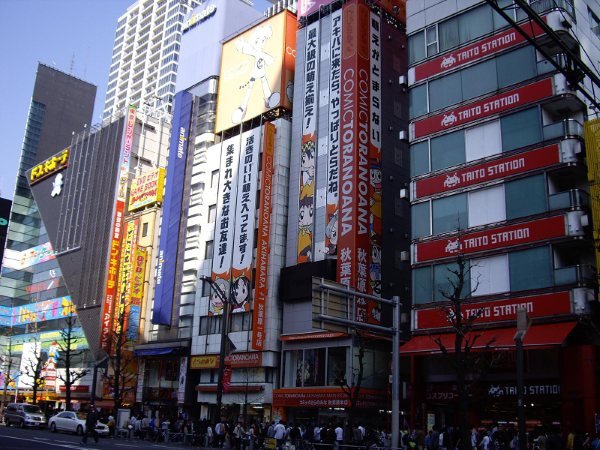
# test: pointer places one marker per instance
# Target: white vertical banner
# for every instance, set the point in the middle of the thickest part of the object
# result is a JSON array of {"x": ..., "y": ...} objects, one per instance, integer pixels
[
  {"x": 245, "y": 216},
  {"x": 225, "y": 221},
  {"x": 331, "y": 224},
  {"x": 182, "y": 379},
  {"x": 29, "y": 358}
]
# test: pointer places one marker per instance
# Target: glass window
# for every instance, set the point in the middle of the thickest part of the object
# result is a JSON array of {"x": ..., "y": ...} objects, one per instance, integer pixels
[
  {"x": 208, "y": 250},
  {"x": 145, "y": 229},
  {"x": 475, "y": 23},
  {"x": 499, "y": 21},
  {"x": 421, "y": 220},
  {"x": 448, "y": 150},
  {"x": 445, "y": 280},
  {"x": 483, "y": 140},
  {"x": 419, "y": 158},
  {"x": 486, "y": 206},
  {"x": 450, "y": 213},
  {"x": 448, "y": 34},
  {"x": 336, "y": 365},
  {"x": 432, "y": 40},
  {"x": 291, "y": 359},
  {"x": 212, "y": 213},
  {"x": 416, "y": 47},
  {"x": 530, "y": 269},
  {"x": 418, "y": 101},
  {"x": 516, "y": 66},
  {"x": 521, "y": 129},
  {"x": 313, "y": 369},
  {"x": 214, "y": 178},
  {"x": 445, "y": 91},
  {"x": 421, "y": 285},
  {"x": 520, "y": 205},
  {"x": 479, "y": 79},
  {"x": 490, "y": 275}
]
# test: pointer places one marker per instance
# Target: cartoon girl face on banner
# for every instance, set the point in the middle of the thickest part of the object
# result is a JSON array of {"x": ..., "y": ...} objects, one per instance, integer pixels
[
  {"x": 215, "y": 306},
  {"x": 240, "y": 292},
  {"x": 331, "y": 232}
]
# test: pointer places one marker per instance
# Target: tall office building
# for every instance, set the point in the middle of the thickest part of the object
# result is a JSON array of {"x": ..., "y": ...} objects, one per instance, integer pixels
[
  {"x": 499, "y": 176},
  {"x": 33, "y": 294},
  {"x": 146, "y": 54}
]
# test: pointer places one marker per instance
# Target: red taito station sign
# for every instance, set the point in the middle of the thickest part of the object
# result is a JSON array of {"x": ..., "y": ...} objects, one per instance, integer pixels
[
  {"x": 473, "y": 52},
  {"x": 484, "y": 108},
  {"x": 556, "y": 303},
  {"x": 494, "y": 238},
  {"x": 488, "y": 171}
]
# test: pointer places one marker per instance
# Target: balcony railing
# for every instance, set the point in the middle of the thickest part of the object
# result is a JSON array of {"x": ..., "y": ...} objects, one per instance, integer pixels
[
  {"x": 580, "y": 275},
  {"x": 574, "y": 198},
  {"x": 567, "y": 127},
  {"x": 541, "y": 6}
]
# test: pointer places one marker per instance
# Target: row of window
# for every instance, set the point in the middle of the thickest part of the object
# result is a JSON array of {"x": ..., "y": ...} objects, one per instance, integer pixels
[
  {"x": 508, "y": 133},
  {"x": 513, "y": 272},
  {"x": 212, "y": 324},
  {"x": 480, "y": 207},
  {"x": 483, "y": 78}
]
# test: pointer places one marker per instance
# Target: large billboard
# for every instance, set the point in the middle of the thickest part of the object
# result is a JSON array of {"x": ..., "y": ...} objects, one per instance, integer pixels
[
  {"x": 171, "y": 212},
  {"x": 147, "y": 189},
  {"x": 256, "y": 74},
  {"x": 397, "y": 8},
  {"x": 116, "y": 230},
  {"x": 125, "y": 275}
]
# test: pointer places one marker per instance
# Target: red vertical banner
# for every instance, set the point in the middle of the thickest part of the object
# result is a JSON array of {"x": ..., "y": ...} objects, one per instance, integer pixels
[
  {"x": 353, "y": 241},
  {"x": 263, "y": 248}
]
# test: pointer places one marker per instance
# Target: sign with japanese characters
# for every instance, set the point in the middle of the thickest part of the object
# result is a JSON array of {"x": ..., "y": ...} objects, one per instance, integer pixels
[
  {"x": 263, "y": 248},
  {"x": 146, "y": 189},
  {"x": 481, "y": 109},
  {"x": 49, "y": 167},
  {"x": 488, "y": 171}
]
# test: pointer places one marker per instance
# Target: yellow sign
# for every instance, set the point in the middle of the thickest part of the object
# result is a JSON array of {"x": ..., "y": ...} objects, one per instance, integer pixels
[
  {"x": 592, "y": 144},
  {"x": 256, "y": 75},
  {"x": 147, "y": 189},
  {"x": 48, "y": 167},
  {"x": 204, "y": 362}
]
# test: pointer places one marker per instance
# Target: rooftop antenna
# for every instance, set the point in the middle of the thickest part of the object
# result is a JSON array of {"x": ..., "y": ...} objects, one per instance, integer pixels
[{"x": 72, "y": 64}]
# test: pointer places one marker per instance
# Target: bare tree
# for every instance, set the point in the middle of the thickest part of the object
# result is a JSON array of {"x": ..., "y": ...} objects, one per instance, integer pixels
[
  {"x": 7, "y": 365},
  {"x": 352, "y": 388},
  {"x": 68, "y": 354},
  {"x": 34, "y": 368},
  {"x": 467, "y": 365},
  {"x": 121, "y": 373}
]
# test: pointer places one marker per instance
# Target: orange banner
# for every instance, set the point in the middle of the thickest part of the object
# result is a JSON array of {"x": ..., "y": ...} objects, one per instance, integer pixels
[{"x": 263, "y": 248}]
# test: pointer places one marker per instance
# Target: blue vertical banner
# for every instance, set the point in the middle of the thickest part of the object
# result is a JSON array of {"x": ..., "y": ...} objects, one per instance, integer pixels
[{"x": 172, "y": 208}]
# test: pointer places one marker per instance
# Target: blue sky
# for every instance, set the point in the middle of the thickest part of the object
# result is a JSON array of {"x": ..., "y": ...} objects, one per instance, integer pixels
[{"x": 74, "y": 36}]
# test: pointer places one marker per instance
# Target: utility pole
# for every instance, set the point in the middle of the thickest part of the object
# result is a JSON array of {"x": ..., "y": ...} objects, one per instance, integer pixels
[{"x": 523, "y": 323}]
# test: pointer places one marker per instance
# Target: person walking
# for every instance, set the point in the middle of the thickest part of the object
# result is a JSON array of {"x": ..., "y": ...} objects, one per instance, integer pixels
[
  {"x": 279, "y": 434},
  {"x": 90, "y": 425}
]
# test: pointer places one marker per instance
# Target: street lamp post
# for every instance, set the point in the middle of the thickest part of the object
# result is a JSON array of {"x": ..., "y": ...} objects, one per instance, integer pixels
[
  {"x": 225, "y": 299},
  {"x": 523, "y": 323}
]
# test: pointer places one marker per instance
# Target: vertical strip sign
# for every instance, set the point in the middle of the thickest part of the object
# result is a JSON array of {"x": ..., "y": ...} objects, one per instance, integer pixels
[
  {"x": 115, "y": 244},
  {"x": 137, "y": 292},
  {"x": 125, "y": 278},
  {"x": 171, "y": 212},
  {"x": 245, "y": 214},
  {"x": 353, "y": 225},
  {"x": 333, "y": 155},
  {"x": 308, "y": 150},
  {"x": 263, "y": 248},
  {"x": 224, "y": 224},
  {"x": 374, "y": 286}
]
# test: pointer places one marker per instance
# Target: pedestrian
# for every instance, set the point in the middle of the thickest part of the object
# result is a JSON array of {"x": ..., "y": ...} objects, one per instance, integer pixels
[
  {"x": 339, "y": 437},
  {"x": 279, "y": 434},
  {"x": 90, "y": 425}
]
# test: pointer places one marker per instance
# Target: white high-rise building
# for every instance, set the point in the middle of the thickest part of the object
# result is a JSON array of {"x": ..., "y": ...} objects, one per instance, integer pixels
[{"x": 146, "y": 54}]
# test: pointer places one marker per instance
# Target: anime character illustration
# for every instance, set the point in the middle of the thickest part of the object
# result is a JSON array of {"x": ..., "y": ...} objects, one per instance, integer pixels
[
  {"x": 307, "y": 169},
  {"x": 375, "y": 183},
  {"x": 375, "y": 269},
  {"x": 57, "y": 185},
  {"x": 215, "y": 306},
  {"x": 305, "y": 220},
  {"x": 240, "y": 292},
  {"x": 255, "y": 48},
  {"x": 331, "y": 233}
]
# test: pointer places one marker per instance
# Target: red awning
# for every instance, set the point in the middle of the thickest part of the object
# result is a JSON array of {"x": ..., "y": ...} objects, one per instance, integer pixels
[
  {"x": 244, "y": 388},
  {"x": 551, "y": 334}
]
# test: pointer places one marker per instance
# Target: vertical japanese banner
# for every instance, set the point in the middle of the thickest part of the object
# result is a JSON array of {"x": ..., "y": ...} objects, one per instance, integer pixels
[
  {"x": 137, "y": 292},
  {"x": 117, "y": 224},
  {"x": 374, "y": 286},
  {"x": 125, "y": 277},
  {"x": 244, "y": 219},
  {"x": 224, "y": 224},
  {"x": 263, "y": 248},
  {"x": 308, "y": 150},
  {"x": 353, "y": 225},
  {"x": 333, "y": 155}
]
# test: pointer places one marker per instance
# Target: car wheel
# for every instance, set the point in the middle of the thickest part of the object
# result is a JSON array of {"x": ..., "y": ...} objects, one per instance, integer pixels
[
  {"x": 7, "y": 422},
  {"x": 79, "y": 430},
  {"x": 22, "y": 424},
  {"x": 53, "y": 427}
]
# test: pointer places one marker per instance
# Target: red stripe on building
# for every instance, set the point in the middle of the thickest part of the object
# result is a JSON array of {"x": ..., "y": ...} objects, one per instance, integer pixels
[
  {"x": 545, "y": 305},
  {"x": 484, "y": 108},
  {"x": 488, "y": 171},
  {"x": 494, "y": 238}
]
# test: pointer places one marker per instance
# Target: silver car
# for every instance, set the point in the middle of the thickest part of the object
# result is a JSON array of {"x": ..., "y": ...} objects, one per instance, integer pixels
[
  {"x": 24, "y": 415},
  {"x": 73, "y": 422}
]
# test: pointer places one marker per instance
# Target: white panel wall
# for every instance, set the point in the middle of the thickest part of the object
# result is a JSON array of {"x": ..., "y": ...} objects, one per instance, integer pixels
[
  {"x": 490, "y": 275},
  {"x": 487, "y": 206},
  {"x": 483, "y": 141}
]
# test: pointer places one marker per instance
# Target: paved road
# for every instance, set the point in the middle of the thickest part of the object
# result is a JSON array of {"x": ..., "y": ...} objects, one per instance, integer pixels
[{"x": 35, "y": 439}]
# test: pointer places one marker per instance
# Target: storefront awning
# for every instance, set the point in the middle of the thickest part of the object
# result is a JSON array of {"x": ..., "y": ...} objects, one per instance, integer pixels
[
  {"x": 154, "y": 351},
  {"x": 546, "y": 335},
  {"x": 244, "y": 388}
]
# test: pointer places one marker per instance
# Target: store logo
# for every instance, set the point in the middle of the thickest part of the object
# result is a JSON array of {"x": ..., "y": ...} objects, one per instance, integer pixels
[
  {"x": 448, "y": 61},
  {"x": 449, "y": 119},
  {"x": 181, "y": 142},
  {"x": 453, "y": 246},
  {"x": 451, "y": 180},
  {"x": 57, "y": 185}
]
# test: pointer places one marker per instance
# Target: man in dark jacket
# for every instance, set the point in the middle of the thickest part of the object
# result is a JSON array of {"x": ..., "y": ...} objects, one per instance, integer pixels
[{"x": 90, "y": 425}]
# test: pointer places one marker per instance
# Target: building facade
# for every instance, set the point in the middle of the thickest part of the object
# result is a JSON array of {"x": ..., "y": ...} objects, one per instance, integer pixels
[
  {"x": 33, "y": 294},
  {"x": 500, "y": 197}
]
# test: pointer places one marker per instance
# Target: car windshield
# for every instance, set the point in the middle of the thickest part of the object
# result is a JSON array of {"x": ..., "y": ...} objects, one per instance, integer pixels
[{"x": 31, "y": 409}]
